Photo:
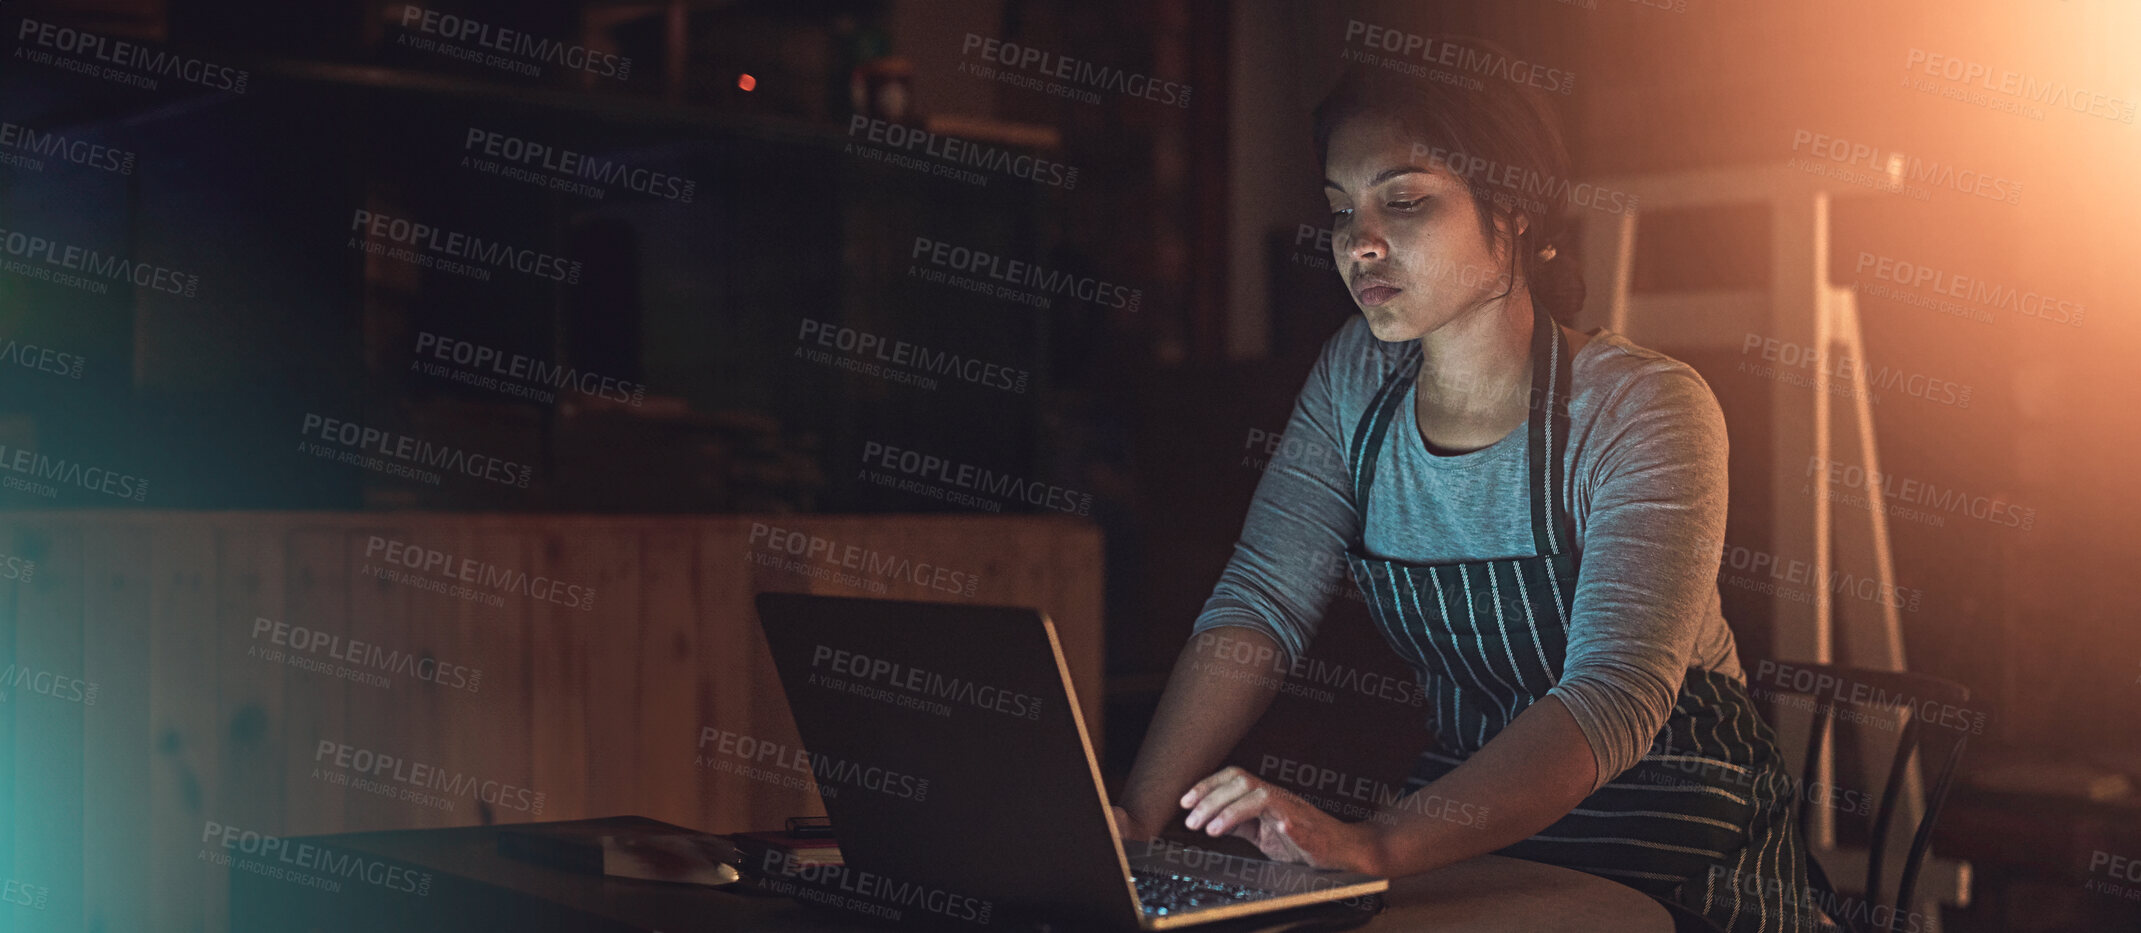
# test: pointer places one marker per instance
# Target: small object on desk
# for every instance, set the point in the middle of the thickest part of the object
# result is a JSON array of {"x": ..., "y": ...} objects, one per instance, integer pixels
[
  {"x": 684, "y": 858},
  {"x": 810, "y": 827},
  {"x": 786, "y": 847}
]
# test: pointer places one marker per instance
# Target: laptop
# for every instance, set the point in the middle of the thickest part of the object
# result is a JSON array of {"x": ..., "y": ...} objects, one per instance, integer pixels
[{"x": 948, "y": 746}]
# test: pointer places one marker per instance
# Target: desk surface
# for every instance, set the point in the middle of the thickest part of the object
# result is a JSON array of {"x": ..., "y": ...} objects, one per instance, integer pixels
[{"x": 474, "y": 888}]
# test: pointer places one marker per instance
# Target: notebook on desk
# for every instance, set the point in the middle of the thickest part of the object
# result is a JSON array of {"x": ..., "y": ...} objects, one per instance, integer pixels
[
  {"x": 653, "y": 854},
  {"x": 952, "y": 757}
]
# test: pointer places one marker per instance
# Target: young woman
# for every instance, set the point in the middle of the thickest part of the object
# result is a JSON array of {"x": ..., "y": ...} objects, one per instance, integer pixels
[{"x": 1534, "y": 516}]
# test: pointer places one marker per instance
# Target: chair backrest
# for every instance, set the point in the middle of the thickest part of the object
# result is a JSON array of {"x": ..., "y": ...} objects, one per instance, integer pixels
[{"x": 1937, "y": 726}]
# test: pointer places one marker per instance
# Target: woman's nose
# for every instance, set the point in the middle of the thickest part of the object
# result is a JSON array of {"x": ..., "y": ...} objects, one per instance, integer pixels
[{"x": 1362, "y": 241}]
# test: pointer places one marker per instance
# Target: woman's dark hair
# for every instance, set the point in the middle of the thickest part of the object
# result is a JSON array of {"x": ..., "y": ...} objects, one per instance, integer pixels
[{"x": 1502, "y": 137}]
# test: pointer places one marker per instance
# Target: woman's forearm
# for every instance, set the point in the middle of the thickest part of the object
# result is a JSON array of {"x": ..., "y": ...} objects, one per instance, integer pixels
[
  {"x": 1531, "y": 774},
  {"x": 1211, "y": 699}
]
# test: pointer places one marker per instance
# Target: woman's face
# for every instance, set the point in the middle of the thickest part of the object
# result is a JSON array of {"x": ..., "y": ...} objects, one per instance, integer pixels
[{"x": 1405, "y": 233}]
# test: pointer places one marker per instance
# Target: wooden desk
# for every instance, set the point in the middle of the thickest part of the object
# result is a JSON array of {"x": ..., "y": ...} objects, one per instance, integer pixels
[
  {"x": 1492, "y": 894},
  {"x": 474, "y": 890},
  {"x": 143, "y": 700}
]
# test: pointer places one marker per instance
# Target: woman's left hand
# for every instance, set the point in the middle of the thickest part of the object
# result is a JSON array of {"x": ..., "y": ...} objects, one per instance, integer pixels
[{"x": 1284, "y": 827}]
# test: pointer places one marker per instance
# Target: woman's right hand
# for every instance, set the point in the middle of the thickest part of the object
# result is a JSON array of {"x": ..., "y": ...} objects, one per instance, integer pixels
[{"x": 1220, "y": 686}]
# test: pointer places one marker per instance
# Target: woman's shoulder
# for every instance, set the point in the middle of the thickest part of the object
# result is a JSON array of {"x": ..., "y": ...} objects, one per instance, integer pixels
[
  {"x": 1612, "y": 369},
  {"x": 1616, "y": 379}
]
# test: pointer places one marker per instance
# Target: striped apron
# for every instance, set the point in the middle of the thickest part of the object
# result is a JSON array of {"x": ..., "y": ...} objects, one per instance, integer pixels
[{"x": 1705, "y": 818}]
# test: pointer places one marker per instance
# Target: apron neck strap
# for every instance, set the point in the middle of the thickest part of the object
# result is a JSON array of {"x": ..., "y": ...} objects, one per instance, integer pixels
[
  {"x": 1546, "y": 432},
  {"x": 1548, "y": 442}
]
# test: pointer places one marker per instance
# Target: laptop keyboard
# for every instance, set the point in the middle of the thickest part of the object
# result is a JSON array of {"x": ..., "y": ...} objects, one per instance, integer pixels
[{"x": 1164, "y": 893}]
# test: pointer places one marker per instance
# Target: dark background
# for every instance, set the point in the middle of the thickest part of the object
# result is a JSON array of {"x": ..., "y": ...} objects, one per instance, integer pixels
[{"x": 1149, "y": 411}]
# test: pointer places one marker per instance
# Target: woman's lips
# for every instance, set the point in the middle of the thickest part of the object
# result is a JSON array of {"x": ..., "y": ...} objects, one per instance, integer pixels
[{"x": 1377, "y": 294}]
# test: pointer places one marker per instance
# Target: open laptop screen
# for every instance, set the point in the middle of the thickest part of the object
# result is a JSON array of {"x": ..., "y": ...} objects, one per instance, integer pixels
[{"x": 946, "y": 742}]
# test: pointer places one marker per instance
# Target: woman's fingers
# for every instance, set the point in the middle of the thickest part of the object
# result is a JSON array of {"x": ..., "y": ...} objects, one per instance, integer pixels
[
  {"x": 1222, "y": 776},
  {"x": 1228, "y": 801},
  {"x": 1213, "y": 794},
  {"x": 1284, "y": 828},
  {"x": 1240, "y": 811}
]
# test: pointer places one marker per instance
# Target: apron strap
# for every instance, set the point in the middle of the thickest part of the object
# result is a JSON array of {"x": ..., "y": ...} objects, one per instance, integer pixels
[
  {"x": 1546, "y": 431},
  {"x": 1548, "y": 442},
  {"x": 1374, "y": 423}
]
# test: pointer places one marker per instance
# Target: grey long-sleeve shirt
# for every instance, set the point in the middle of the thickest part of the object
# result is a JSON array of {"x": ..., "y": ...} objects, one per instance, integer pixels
[{"x": 1646, "y": 462}]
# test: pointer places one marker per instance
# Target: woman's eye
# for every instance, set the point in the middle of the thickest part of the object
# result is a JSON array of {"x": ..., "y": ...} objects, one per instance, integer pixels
[
  {"x": 1408, "y": 205},
  {"x": 1341, "y": 213}
]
